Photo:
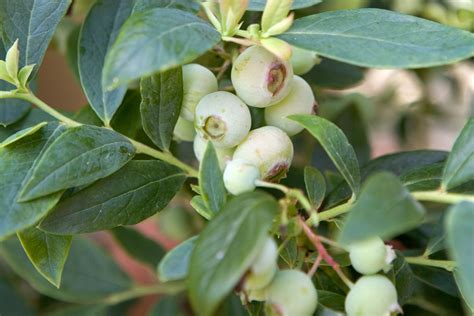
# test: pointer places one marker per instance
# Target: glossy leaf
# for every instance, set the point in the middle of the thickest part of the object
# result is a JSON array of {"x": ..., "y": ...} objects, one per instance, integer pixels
[
  {"x": 86, "y": 115},
  {"x": 380, "y": 38},
  {"x": 33, "y": 117},
  {"x": 11, "y": 302},
  {"x": 425, "y": 178},
  {"x": 459, "y": 227},
  {"x": 138, "y": 246},
  {"x": 226, "y": 248},
  {"x": 460, "y": 165},
  {"x": 315, "y": 186},
  {"x": 99, "y": 31},
  {"x": 384, "y": 208},
  {"x": 200, "y": 206},
  {"x": 259, "y": 5},
  {"x": 127, "y": 120},
  {"x": 437, "y": 278},
  {"x": 15, "y": 216},
  {"x": 336, "y": 146},
  {"x": 154, "y": 41},
  {"x": 79, "y": 282},
  {"x": 405, "y": 281},
  {"x": 162, "y": 96},
  {"x": 334, "y": 74},
  {"x": 79, "y": 156},
  {"x": 333, "y": 301},
  {"x": 127, "y": 197},
  {"x": 175, "y": 264},
  {"x": 23, "y": 133},
  {"x": 191, "y": 6},
  {"x": 211, "y": 182},
  {"x": 48, "y": 253}
]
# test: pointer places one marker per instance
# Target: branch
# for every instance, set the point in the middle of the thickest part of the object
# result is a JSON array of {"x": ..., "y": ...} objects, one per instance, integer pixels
[{"x": 442, "y": 197}]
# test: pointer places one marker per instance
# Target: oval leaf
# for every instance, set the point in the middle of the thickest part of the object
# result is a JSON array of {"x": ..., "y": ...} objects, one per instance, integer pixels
[
  {"x": 211, "y": 181},
  {"x": 226, "y": 248},
  {"x": 384, "y": 208},
  {"x": 334, "y": 74},
  {"x": 98, "y": 33},
  {"x": 191, "y": 6},
  {"x": 460, "y": 165},
  {"x": 47, "y": 253},
  {"x": 459, "y": 227},
  {"x": 380, "y": 38},
  {"x": 16, "y": 216},
  {"x": 259, "y": 5},
  {"x": 175, "y": 264},
  {"x": 134, "y": 193},
  {"x": 315, "y": 186},
  {"x": 162, "y": 96},
  {"x": 23, "y": 133},
  {"x": 79, "y": 156},
  {"x": 336, "y": 145},
  {"x": 156, "y": 40}
]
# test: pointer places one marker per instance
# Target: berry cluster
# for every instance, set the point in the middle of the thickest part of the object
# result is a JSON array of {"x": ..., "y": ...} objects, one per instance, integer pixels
[{"x": 260, "y": 79}]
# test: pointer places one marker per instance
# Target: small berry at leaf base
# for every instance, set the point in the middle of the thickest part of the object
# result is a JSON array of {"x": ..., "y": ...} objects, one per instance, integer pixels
[
  {"x": 268, "y": 148},
  {"x": 222, "y": 118},
  {"x": 240, "y": 177},
  {"x": 263, "y": 268},
  {"x": 261, "y": 78},
  {"x": 224, "y": 155},
  {"x": 372, "y": 295},
  {"x": 198, "y": 81},
  {"x": 291, "y": 293},
  {"x": 371, "y": 255},
  {"x": 299, "y": 101},
  {"x": 303, "y": 60},
  {"x": 184, "y": 130}
]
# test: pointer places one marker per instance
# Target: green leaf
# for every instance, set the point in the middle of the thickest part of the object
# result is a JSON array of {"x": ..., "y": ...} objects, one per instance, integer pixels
[
  {"x": 86, "y": 115},
  {"x": 380, "y": 38},
  {"x": 33, "y": 117},
  {"x": 23, "y": 133},
  {"x": 315, "y": 186},
  {"x": 138, "y": 246},
  {"x": 81, "y": 310},
  {"x": 226, "y": 248},
  {"x": 200, "y": 206},
  {"x": 154, "y": 41},
  {"x": 336, "y": 145},
  {"x": 459, "y": 236},
  {"x": 191, "y": 6},
  {"x": 331, "y": 300},
  {"x": 425, "y": 178},
  {"x": 437, "y": 239},
  {"x": 47, "y": 253},
  {"x": 162, "y": 96},
  {"x": 211, "y": 181},
  {"x": 435, "y": 277},
  {"x": 403, "y": 278},
  {"x": 384, "y": 208},
  {"x": 175, "y": 264},
  {"x": 460, "y": 165},
  {"x": 127, "y": 197},
  {"x": 334, "y": 74},
  {"x": 79, "y": 156},
  {"x": 11, "y": 303},
  {"x": 99, "y": 31},
  {"x": 32, "y": 22},
  {"x": 127, "y": 121},
  {"x": 90, "y": 275},
  {"x": 18, "y": 216},
  {"x": 259, "y": 5},
  {"x": 167, "y": 305}
]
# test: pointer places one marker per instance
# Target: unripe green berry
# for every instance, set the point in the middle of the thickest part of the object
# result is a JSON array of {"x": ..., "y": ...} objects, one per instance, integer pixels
[
  {"x": 198, "y": 81},
  {"x": 370, "y": 256},
  {"x": 224, "y": 155},
  {"x": 372, "y": 295},
  {"x": 261, "y": 78},
  {"x": 222, "y": 118},
  {"x": 184, "y": 130},
  {"x": 240, "y": 176},
  {"x": 268, "y": 148},
  {"x": 264, "y": 267},
  {"x": 303, "y": 60},
  {"x": 299, "y": 101},
  {"x": 291, "y": 293}
]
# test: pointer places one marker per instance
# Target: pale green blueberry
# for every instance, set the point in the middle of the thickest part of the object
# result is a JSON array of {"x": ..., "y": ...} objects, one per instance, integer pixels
[
  {"x": 268, "y": 148},
  {"x": 291, "y": 293},
  {"x": 256, "y": 295},
  {"x": 371, "y": 255},
  {"x": 264, "y": 267},
  {"x": 303, "y": 60},
  {"x": 261, "y": 78},
  {"x": 240, "y": 177},
  {"x": 224, "y": 155},
  {"x": 184, "y": 130},
  {"x": 198, "y": 81},
  {"x": 299, "y": 101},
  {"x": 222, "y": 118},
  {"x": 372, "y": 295}
]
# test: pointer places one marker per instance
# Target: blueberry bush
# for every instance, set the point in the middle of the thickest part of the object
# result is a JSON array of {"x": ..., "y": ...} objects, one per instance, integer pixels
[{"x": 229, "y": 110}]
